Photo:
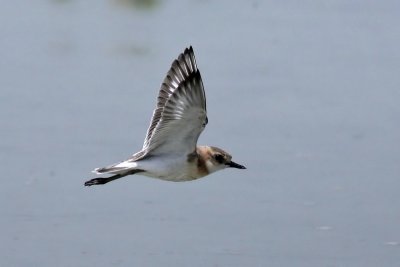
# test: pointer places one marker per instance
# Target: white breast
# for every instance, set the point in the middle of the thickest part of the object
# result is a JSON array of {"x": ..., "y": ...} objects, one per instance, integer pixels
[{"x": 169, "y": 168}]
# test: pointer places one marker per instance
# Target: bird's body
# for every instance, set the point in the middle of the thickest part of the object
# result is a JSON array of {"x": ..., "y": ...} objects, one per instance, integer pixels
[
  {"x": 172, "y": 168},
  {"x": 170, "y": 150}
]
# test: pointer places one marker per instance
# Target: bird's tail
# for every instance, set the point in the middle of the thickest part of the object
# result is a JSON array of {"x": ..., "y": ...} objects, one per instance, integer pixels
[
  {"x": 117, "y": 168},
  {"x": 102, "y": 180}
]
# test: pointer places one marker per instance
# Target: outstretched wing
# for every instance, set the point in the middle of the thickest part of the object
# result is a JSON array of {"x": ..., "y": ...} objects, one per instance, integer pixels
[{"x": 180, "y": 115}]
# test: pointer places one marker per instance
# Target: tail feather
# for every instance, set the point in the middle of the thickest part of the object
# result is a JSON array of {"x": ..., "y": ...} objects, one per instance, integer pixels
[
  {"x": 101, "y": 180},
  {"x": 116, "y": 168},
  {"x": 108, "y": 170}
]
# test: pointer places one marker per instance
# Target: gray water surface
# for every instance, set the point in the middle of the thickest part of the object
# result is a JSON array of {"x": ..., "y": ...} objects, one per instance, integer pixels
[{"x": 305, "y": 94}]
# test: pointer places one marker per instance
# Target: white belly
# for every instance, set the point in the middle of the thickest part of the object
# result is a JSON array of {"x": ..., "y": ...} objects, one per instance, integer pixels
[{"x": 176, "y": 169}]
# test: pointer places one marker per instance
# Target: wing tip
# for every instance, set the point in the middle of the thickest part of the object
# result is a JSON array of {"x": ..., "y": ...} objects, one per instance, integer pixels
[{"x": 189, "y": 50}]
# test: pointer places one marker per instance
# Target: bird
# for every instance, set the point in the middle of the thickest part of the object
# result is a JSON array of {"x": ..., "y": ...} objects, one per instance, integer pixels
[{"x": 170, "y": 151}]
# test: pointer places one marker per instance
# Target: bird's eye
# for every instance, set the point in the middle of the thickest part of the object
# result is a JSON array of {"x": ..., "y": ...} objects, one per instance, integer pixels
[{"x": 219, "y": 158}]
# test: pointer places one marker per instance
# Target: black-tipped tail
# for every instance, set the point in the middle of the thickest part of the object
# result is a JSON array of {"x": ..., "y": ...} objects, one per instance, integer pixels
[
  {"x": 96, "y": 181},
  {"x": 100, "y": 180}
]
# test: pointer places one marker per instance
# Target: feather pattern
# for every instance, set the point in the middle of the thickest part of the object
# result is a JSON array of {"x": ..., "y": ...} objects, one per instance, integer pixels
[{"x": 180, "y": 114}]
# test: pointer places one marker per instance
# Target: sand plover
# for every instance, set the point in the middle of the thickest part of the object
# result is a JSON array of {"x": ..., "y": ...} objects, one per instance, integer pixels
[{"x": 170, "y": 150}]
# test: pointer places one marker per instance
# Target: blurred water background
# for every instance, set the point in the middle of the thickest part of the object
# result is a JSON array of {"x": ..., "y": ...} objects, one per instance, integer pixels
[{"x": 306, "y": 94}]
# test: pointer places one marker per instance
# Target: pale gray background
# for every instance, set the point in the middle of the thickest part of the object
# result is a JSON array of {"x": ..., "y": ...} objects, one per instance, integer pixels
[{"x": 306, "y": 94}]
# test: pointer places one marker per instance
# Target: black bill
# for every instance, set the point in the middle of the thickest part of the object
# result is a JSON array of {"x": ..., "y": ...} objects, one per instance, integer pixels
[{"x": 235, "y": 165}]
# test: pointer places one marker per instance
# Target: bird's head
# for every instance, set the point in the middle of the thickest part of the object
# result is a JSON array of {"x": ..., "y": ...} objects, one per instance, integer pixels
[{"x": 217, "y": 159}]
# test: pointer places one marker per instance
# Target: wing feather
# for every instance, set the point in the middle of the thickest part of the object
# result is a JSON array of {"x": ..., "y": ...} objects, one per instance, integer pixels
[{"x": 180, "y": 114}]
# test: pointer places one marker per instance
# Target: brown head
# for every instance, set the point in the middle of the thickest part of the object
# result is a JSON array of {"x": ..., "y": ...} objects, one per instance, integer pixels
[{"x": 216, "y": 159}]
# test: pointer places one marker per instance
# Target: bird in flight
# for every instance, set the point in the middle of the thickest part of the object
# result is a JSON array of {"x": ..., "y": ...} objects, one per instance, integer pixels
[{"x": 170, "y": 151}]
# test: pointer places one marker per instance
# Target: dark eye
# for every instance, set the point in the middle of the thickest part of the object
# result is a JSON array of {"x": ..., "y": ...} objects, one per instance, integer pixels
[{"x": 219, "y": 158}]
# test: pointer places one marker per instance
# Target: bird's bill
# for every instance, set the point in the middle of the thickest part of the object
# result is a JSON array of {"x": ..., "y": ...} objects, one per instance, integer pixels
[{"x": 235, "y": 165}]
